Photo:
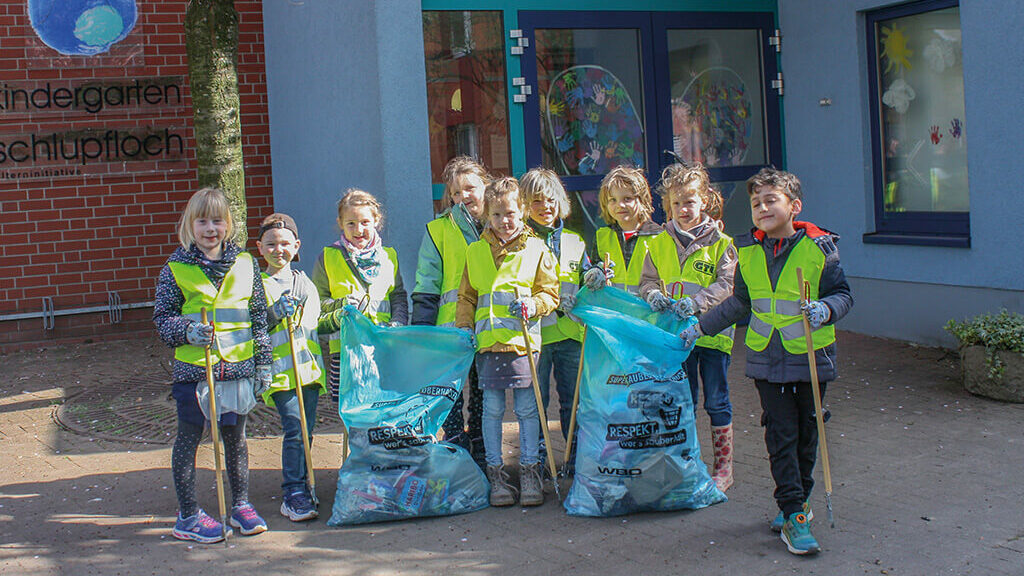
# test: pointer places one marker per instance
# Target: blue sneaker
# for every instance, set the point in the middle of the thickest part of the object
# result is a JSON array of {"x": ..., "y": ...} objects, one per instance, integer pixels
[
  {"x": 247, "y": 521},
  {"x": 780, "y": 519},
  {"x": 199, "y": 527},
  {"x": 796, "y": 533},
  {"x": 298, "y": 506}
]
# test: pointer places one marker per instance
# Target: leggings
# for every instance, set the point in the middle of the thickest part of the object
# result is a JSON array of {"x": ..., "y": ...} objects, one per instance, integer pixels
[{"x": 183, "y": 464}]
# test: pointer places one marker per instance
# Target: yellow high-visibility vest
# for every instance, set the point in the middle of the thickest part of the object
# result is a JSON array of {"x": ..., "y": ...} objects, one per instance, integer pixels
[
  {"x": 451, "y": 245},
  {"x": 497, "y": 287},
  {"x": 697, "y": 273},
  {"x": 344, "y": 281},
  {"x": 627, "y": 274},
  {"x": 779, "y": 309},
  {"x": 555, "y": 328},
  {"x": 227, "y": 309},
  {"x": 307, "y": 349}
]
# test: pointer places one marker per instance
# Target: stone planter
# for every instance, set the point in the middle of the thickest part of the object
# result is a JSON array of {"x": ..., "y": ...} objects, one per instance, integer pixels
[{"x": 976, "y": 366}]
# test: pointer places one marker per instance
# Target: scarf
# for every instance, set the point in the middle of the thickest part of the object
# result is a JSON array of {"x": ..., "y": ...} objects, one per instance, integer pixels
[
  {"x": 368, "y": 259},
  {"x": 215, "y": 269}
]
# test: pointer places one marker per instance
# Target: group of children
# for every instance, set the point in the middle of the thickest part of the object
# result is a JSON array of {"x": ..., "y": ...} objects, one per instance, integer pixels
[{"x": 496, "y": 260}]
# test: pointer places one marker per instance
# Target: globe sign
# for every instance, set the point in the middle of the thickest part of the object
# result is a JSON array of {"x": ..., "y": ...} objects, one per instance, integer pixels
[{"x": 82, "y": 27}]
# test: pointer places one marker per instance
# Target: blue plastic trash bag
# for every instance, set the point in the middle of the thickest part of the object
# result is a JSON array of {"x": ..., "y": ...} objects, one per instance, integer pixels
[
  {"x": 637, "y": 444},
  {"x": 397, "y": 386}
]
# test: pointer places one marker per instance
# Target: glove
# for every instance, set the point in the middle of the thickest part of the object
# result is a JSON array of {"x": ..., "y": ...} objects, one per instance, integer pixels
[
  {"x": 524, "y": 307},
  {"x": 597, "y": 277},
  {"x": 684, "y": 307},
  {"x": 690, "y": 335},
  {"x": 260, "y": 384},
  {"x": 393, "y": 324},
  {"x": 817, "y": 313},
  {"x": 285, "y": 306},
  {"x": 566, "y": 302},
  {"x": 199, "y": 334},
  {"x": 333, "y": 321},
  {"x": 658, "y": 301}
]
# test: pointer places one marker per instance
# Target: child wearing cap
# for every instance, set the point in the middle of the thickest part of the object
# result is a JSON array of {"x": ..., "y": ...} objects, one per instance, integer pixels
[{"x": 290, "y": 292}]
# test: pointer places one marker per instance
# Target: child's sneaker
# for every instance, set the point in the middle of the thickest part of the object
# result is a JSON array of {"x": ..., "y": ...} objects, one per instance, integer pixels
[
  {"x": 501, "y": 491},
  {"x": 247, "y": 521},
  {"x": 796, "y": 533},
  {"x": 531, "y": 492},
  {"x": 199, "y": 527},
  {"x": 780, "y": 519},
  {"x": 297, "y": 506}
]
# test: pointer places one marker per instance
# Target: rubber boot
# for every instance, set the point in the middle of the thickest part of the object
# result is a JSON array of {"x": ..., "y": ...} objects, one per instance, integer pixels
[
  {"x": 501, "y": 491},
  {"x": 531, "y": 492},
  {"x": 721, "y": 439}
]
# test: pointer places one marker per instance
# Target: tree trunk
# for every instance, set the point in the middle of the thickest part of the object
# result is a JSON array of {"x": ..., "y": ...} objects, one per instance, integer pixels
[{"x": 211, "y": 41}]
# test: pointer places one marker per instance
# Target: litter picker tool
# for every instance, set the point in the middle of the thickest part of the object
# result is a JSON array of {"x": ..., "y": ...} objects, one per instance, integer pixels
[
  {"x": 805, "y": 288},
  {"x": 575, "y": 405},
  {"x": 310, "y": 474},
  {"x": 540, "y": 401},
  {"x": 215, "y": 435}
]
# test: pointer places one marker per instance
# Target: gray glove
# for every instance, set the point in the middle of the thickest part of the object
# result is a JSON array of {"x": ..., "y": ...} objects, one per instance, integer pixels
[
  {"x": 690, "y": 335},
  {"x": 817, "y": 313},
  {"x": 332, "y": 323},
  {"x": 199, "y": 334},
  {"x": 393, "y": 324},
  {"x": 566, "y": 302},
  {"x": 684, "y": 307},
  {"x": 261, "y": 383},
  {"x": 597, "y": 278},
  {"x": 525, "y": 307},
  {"x": 658, "y": 301}
]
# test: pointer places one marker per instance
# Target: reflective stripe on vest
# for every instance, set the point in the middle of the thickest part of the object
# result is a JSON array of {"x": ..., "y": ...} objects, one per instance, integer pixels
[
  {"x": 307, "y": 349},
  {"x": 498, "y": 287},
  {"x": 779, "y": 309},
  {"x": 451, "y": 245},
  {"x": 627, "y": 275},
  {"x": 344, "y": 282},
  {"x": 698, "y": 272},
  {"x": 556, "y": 326},
  {"x": 227, "y": 309}
]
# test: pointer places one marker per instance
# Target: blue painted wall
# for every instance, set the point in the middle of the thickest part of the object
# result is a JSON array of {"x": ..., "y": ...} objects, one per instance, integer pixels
[
  {"x": 348, "y": 108},
  {"x": 829, "y": 148}
]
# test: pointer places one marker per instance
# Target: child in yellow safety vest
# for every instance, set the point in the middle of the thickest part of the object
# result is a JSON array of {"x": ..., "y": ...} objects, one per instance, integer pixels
[
  {"x": 561, "y": 335},
  {"x": 510, "y": 275},
  {"x": 358, "y": 270},
  {"x": 290, "y": 291},
  {"x": 625, "y": 199},
  {"x": 766, "y": 289},
  {"x": 439, "y": 266},
  {"x": 688, "y": 269},
  {"x": 209, "y": 271}
]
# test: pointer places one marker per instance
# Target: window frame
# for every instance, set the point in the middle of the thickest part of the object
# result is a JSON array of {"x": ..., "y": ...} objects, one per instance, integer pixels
[{"x": 914, "y": 227}]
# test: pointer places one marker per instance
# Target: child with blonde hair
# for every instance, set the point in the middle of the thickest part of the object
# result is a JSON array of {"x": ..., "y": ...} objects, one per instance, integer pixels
[
  {"x": 210, "y": 271},
  {"x": 441, "y": 260},
  {"x": 358, "y": 270},
  {"x": 510, "y": 275},
  {"x": 689, "y": 269},
  {"x": 547, "y": 207},
  {"x": 626, "y": 206}
]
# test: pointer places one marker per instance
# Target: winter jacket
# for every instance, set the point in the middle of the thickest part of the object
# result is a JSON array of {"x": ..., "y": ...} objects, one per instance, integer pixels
[
  {"x": 774, "y": 363},
  {"x": 544, "y": 290},
  {"x": 426, "y": 294},
  {"x": 171, "y": 325},
  {"x": 707, "y": 233}
]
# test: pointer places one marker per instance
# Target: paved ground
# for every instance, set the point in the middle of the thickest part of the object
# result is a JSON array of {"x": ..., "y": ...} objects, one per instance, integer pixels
[{"x": 927, "y": 481}]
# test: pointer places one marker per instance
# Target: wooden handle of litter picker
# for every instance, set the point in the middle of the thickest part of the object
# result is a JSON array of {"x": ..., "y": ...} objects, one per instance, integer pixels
[
  {"x": 607, "y": 264},
  {"x": 575, "y": 402},
  {"x": 536, "y": 393},
  {"x": 290, "y": 326},
  {"x": 215, "y": 433},
  {"x": 815, "y": 390}
]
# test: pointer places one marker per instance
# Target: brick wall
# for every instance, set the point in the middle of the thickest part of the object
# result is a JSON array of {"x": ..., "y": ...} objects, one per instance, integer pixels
[{"x": 77, "y": 238}]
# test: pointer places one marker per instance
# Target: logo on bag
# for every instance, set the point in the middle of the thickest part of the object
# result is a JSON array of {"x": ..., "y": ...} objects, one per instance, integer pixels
[
  {"x": 399, "y": 436},
  {"x": 379, "y": 468},
  {"x": 655, "y": 441},
  {"x": 386, "y": 403},
  {"x": 704, "y": 267},
  {"x": 628, "y": 472},
  {"x": 638, "y": 377},
  {"x": 656, "y": 405},
  {"x": 633, "y": 430},
  {"x": 445, "y": 391}
]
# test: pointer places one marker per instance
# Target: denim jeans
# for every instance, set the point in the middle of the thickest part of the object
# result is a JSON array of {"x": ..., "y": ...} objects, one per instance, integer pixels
[
  {"x": 293, "y": 457},
  {"x": 712, "y": 365},
  {"x": 525, "y": 405},
  {"x": 564, "y": 357}
]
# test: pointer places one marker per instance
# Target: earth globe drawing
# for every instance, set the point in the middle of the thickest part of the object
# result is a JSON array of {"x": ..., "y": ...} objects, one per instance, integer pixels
[{"x": 82, "y": 27}]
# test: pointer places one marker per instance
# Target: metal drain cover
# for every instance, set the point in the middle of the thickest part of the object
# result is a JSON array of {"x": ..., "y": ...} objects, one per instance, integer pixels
[{"x": 140, "y": 410}]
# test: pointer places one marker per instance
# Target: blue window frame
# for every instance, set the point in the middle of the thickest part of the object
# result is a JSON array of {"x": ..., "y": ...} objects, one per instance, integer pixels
[{"x": 918, "y": 128}]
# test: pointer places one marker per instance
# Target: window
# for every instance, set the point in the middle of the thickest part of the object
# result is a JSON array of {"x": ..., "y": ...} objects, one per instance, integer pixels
[
  {"x": 466, "y": 101},
  {"x": 918, "y": 126}
]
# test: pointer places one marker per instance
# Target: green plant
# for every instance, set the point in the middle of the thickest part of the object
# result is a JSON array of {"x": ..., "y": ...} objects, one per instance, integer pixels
[{"x": 1004, "y": 331}]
